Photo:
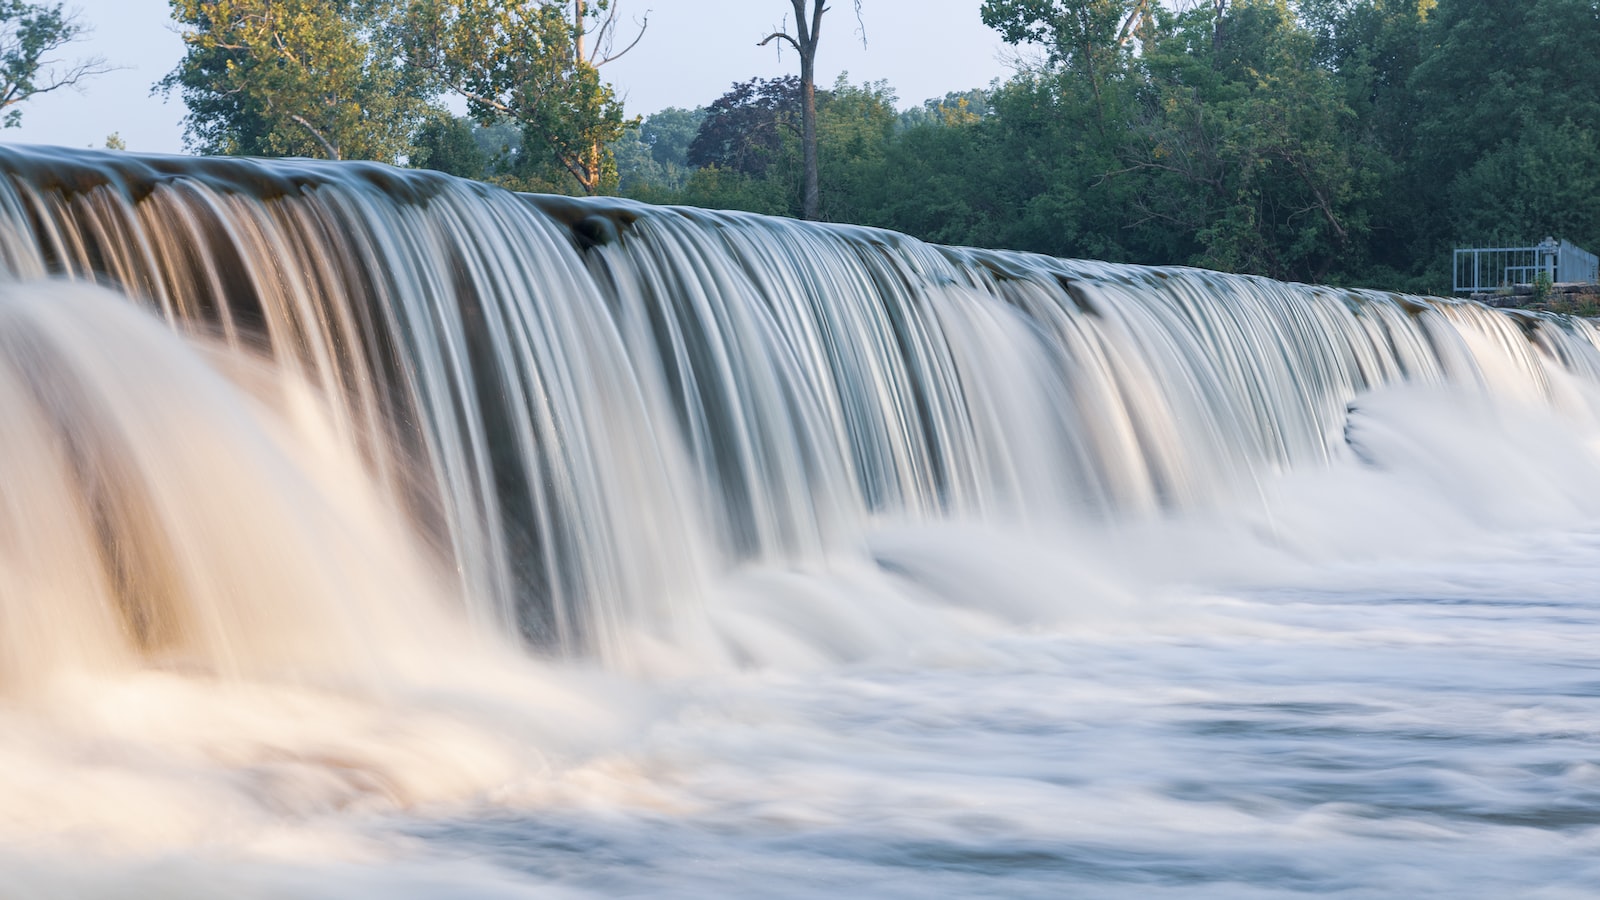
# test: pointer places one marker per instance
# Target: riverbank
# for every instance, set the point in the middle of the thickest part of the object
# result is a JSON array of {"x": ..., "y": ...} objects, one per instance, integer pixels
[{"x": 1573, "y": 299}]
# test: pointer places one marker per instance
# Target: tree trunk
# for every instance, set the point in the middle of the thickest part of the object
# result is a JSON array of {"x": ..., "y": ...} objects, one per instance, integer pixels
[
  {"x": 810, "y": 202},
  {"x": 811, "y": 199},
  {"x": 590, "y": 179},
  {"x": 577, "y": 31}
]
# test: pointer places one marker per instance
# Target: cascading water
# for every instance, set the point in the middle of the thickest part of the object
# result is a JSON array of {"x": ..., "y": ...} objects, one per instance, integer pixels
[{"x": 637, "y": 434}]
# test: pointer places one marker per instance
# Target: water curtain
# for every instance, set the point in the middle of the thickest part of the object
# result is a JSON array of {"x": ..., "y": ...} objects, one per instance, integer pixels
[{"x": 591, "y": 407}]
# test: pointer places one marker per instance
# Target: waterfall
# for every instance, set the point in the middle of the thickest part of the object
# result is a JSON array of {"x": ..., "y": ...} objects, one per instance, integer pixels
[{"x": 588, "y": 409}]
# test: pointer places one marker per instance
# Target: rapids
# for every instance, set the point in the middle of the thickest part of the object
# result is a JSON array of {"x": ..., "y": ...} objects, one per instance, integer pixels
[{"x": 372, "y": 532}]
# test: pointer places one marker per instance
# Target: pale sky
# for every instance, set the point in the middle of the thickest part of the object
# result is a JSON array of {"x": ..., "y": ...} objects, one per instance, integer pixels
[{"x": 692, "y": 52}]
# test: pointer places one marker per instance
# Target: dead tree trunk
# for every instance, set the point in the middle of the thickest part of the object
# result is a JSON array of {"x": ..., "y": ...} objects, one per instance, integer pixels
[
  {"x": 807, "y": 26},
  {"x": 811, "y": 198}
]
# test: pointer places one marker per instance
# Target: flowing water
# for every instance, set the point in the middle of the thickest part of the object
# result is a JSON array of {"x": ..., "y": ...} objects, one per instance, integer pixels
[{"x": 373, "y": 533}]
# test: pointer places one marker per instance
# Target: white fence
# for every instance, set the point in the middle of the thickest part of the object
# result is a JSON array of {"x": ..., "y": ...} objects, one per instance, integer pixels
[{"x": 1482, "y": 270}]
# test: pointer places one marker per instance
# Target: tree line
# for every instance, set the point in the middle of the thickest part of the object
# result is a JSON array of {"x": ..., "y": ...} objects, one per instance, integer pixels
[
  {"x": 1332, "y": 141},
  {"x": 1340, "y": 141}
]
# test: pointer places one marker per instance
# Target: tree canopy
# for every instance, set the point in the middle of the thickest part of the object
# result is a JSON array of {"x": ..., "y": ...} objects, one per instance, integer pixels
[
  {"x": 522, "y": 60},
  {"x": 745, "y": 129},
  {"x": 318, "y": 78}
]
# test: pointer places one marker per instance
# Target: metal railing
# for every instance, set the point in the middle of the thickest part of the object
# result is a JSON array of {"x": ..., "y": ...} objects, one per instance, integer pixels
[{"x": 1481, "y": 270}]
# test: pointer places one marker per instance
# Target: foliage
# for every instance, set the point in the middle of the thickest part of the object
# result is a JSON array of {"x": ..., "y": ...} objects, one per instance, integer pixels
[
  {"x": 667, "y": 134},
  {"x": 294, "y": 78},
  {"x": 1491, "y": 74},
  {"x": 519, "y": 60},
  {"x": 1243, "y": 142},
  {"x": 716, "y": 188},
  {"x": 447, "y": 144},
  {"x": 1541, "y": 287},
  {"x": 1090, "y": 40},
  {"x": 1530, "y": 184},
  {"x": 745, "y": 129},
  {"x": 954, "y": 108},
  {"x": 653, "y": 156},
  {"x": 30, "y": 33},
  {"x": 855, "y": 126},
  {"x": 748, "y": 152}
]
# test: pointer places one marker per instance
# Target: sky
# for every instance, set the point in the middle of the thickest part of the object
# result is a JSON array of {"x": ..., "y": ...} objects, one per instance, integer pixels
[{"x": 691, "y": 52}]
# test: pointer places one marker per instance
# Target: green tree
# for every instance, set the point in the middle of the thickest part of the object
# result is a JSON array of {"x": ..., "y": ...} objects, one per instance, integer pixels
[
  {"x": 718, "y": 188},
  {"x": 749, "y": 154},
  {"x": 1372, "y": 47},
  {"x": 1214, "y": 136},
  {"x": 855, "y": 127},
  {"x": 447, "y": 144},
  {"x": 30, "y": 33},
  {"x": 954, "y": 108},
  {"x": 1490, "y": 69},
  {"x": 1052, "y": 169},
  {"x": 941, "y": 179},
  {"x": 1246, "y": 143},
  {"x": 294, "y": 78},
  {"x": 1489, "y": 76},
  {"x": 1537, "y": 183},
  {"x": 523, "y": 60},
  {"x": 667, "y": 134},
  {"x": 1092, "y": 39},
  {"x": 652, "y": 158},
  {"x": 1061, "y": 125},
  {"x": 638, "y": 174}
]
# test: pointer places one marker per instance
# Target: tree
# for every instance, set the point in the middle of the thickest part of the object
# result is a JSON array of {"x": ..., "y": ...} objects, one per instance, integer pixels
[
  {"x": 294, "y": 78},
  {"x": 653, "y": 159},
  {"x": 941, "y": 181},
  {"x": 669, "y": 132},
  {"x": 1488, "y": 73},
  {"x": 1489, "y": 69},
  {"x": 603, "y": 51},
  {"x": 1540, "y": 182},
  {"x": 1091, "y": 39},
  {"x": 447, "y": 144},
  {"x": 807, "y": 30},
  {"x": 855, "y": 126},
  {"x": 1245, "y": 143},
  {"x": 954, "y": 108},
  {"x": 745, "y": 129},
  {"x": 1372, "y": 48},
  {"x": 525, "y": 60},
  {"x": 29, "y": 34}
]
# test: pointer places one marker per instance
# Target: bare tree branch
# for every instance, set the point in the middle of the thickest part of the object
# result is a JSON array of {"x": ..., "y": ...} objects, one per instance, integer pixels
[
  {"x": 606, "y": 35},
  {"x": 28, "y": 37},
  {"x": 608, "y": 30},
  {"x": 333, "y": 152},
  {"x": 778, "y": 35}
]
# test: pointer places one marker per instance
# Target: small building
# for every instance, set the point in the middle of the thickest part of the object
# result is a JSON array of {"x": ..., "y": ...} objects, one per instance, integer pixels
[{"x": 1486, "y": 270}]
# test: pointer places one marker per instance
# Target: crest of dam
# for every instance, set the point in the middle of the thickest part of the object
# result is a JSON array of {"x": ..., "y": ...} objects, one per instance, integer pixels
[{"x": 588, "y": 408}]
